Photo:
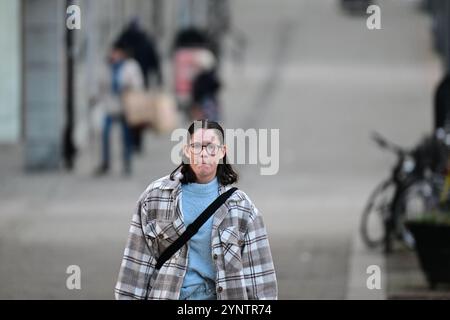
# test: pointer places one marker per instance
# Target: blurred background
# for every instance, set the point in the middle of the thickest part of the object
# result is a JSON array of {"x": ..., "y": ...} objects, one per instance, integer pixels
[{"x": 71, "y": 170}]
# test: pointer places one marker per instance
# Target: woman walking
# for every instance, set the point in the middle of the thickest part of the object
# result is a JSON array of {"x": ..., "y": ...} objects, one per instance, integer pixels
[{"x": 228, "y": 257}]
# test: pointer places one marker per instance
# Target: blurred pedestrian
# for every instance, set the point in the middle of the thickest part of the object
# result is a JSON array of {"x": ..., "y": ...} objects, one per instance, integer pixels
[
  {"x": 228, "y": 256},
  {"x": 142, "y": 48},
  {"x": 434, "y": 150},
  {"x": 123, "y": 74},
  {"x": 206, "y": 88},
  {"x": 188, "y": 44},
  {"x": 442, "y": 104}
]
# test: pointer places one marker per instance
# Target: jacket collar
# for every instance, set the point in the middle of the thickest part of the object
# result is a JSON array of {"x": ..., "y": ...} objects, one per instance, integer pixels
[{"x": 175, "y": 186}]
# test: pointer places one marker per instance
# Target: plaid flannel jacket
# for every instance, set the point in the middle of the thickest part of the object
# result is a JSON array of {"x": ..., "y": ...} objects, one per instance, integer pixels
[{"x": 239, "y": 248}]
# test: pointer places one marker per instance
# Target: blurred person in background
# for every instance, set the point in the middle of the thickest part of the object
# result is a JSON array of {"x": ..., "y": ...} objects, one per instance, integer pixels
[
  {"x": 190, "y": 45},
  {"x": 433, "y": 152},
  {"x": 205, "y": 89},
  {"x": 142, "y": 48},
  {"x": 228, "y": 258},
  {"x": 123, "y": 74},
  {"x": 442, "y": 105}
]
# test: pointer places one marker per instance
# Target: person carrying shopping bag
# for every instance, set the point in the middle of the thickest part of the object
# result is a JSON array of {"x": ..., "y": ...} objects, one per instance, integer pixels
[{"x": 123, "y": 76}]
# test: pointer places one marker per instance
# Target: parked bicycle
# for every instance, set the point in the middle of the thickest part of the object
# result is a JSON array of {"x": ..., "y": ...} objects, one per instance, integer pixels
[
  {"x": 379, "y": 221},
  {"x": 384, "y": 216}
]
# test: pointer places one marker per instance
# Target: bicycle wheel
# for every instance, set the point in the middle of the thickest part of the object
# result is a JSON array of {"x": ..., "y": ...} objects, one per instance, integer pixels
[{"x": 377, "y": 210}]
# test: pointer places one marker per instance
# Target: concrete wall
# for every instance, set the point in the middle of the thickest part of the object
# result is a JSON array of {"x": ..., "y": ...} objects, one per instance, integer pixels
[
  {"x": 10, "y": 71},
  {"x": 44, "y": 30}
]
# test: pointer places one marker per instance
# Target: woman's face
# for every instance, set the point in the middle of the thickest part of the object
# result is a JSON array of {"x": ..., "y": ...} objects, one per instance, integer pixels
[{"x": 204, "y": 152}]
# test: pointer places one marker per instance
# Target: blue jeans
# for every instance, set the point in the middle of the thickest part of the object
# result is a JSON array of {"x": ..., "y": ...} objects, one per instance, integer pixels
[
  {"x": 126, "y": 138},
  {"x": 204, "y": 291}
]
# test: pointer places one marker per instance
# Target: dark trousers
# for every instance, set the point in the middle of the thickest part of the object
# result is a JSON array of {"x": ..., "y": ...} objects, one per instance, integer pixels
[
  {"x": 136, "y": 138},
  {"x": 126, "y": 140}
]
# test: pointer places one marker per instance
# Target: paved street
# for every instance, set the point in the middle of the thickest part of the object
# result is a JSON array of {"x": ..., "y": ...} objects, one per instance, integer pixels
[{"x": 320, "y": 77}]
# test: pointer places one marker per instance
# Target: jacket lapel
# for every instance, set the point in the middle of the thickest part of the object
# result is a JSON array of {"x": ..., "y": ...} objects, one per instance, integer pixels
[
  {"x": 175, "y": 205},
  {"x": 222, "y": 212}
]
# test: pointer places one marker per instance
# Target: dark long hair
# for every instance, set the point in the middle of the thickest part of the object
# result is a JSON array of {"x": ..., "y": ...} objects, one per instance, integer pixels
[{"x": 225, "y": 173}]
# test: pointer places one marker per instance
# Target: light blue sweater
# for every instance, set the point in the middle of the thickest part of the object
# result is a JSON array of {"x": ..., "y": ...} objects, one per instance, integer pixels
[{"x": 195, "y": 198}]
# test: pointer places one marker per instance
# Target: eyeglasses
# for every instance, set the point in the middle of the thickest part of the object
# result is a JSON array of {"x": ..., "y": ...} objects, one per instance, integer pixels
[{"x": 211, "y": 148}]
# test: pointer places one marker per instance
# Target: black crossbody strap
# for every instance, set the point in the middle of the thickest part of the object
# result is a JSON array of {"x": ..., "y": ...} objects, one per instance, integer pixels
[{"x": 192, "y": 229}]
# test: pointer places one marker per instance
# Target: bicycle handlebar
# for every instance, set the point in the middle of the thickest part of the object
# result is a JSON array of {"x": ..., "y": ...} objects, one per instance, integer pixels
[{"x": 385, "y": 144}]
